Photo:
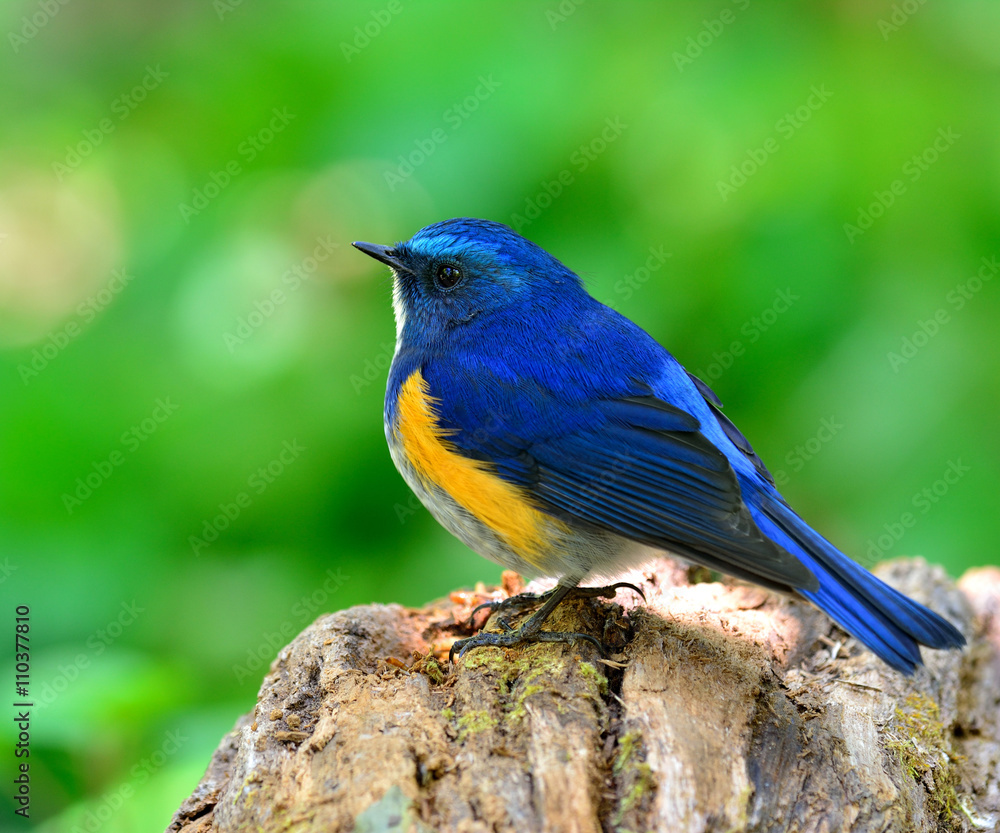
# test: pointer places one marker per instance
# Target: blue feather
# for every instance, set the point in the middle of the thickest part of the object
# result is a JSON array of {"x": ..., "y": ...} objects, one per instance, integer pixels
[{"x": 890, "y": 624}]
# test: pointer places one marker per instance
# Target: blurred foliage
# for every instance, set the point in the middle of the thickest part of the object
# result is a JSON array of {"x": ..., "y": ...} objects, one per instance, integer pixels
[{"x": 165, "y": 168}]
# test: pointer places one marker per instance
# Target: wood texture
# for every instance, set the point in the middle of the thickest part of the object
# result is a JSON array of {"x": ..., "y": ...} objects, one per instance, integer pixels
[{"x": 730, "y": 709}]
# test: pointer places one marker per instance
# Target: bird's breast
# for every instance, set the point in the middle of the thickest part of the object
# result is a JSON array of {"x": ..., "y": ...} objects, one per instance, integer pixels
[{"x": 440, "y": 475}]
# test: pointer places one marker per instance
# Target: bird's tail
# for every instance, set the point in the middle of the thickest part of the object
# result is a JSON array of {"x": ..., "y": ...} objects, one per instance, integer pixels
[{"x": 887, "y": 622}]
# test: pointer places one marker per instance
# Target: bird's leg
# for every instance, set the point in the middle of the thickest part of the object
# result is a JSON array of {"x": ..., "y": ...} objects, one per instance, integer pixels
[
  {"x": 531, "y": 630},
  {"x": 512, "y": 604},
  {"x": 524, "y": 601}
]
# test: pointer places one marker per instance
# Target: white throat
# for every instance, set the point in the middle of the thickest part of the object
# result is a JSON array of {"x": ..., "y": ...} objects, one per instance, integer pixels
[{"x": 399, "y": 311}]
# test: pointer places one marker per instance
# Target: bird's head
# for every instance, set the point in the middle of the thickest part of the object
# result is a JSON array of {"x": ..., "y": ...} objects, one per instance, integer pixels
[{"x": 448, "y": 274}]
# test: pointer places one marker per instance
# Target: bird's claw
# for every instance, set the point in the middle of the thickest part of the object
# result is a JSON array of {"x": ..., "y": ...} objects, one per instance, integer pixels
[
  {"x": 529, "y": 631},
  {"x": 607, "y": 592},
  {"x": 511, "y": 603},
  {"x": 526, "y": 600},
  {"x": 512, "y": 638}
]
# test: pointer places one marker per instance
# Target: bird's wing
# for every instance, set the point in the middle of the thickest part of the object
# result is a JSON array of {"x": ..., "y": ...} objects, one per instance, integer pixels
[
  {"x": 734, "y": 433},
  {"x": 639, "y": 467}
]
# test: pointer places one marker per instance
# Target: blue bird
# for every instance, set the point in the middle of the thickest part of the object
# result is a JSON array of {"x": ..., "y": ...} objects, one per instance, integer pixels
[{"x": 556, "y": 437}]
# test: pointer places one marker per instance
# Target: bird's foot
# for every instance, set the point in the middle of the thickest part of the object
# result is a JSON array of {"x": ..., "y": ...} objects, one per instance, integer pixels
[
  {"x": 512, "y": 604},
  {"x": 512, "y": 638},
  {"x": 607, "y": 592},
  {"x": 531, "y": 630},
  {"x": 526, "y": 601}
]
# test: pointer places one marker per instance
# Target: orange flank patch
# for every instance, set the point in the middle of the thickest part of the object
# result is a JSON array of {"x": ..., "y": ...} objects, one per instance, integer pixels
[{"x": 501, "y": 506}]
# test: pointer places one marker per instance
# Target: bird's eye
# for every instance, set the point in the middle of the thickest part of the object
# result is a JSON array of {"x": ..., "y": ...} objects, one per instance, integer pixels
[{"x": 448, "y": 275}]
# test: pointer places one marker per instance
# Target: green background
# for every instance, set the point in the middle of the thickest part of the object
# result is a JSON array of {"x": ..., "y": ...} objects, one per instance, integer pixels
[{"x": 208, "y": 200}]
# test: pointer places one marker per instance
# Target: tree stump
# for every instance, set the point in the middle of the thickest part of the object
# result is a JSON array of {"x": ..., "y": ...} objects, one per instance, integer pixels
[{"x": 728, "y": 708}]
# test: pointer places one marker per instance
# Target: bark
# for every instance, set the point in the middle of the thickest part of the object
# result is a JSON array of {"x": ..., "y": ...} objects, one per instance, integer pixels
[{"x": 729, "y": 709}]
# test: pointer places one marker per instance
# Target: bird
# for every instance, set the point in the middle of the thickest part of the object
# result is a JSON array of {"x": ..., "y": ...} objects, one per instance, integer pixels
[{"x": 554, "y": 436}]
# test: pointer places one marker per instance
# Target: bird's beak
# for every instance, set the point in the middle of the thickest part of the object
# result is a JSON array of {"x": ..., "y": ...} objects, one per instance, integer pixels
[{"x": 384, "y": 254}]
